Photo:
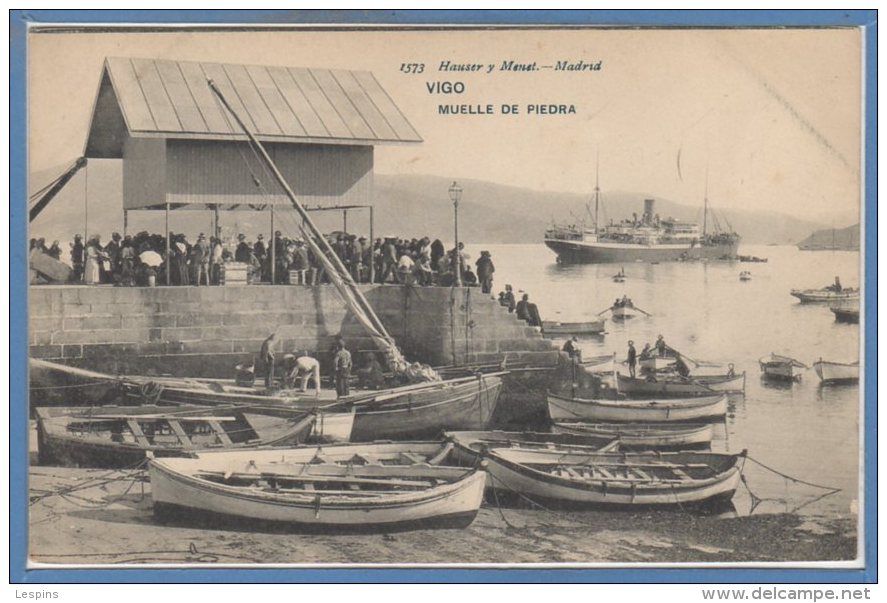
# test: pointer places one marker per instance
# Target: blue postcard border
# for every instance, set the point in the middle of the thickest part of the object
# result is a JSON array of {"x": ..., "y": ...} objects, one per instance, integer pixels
[{"x": 18, "y": 336}]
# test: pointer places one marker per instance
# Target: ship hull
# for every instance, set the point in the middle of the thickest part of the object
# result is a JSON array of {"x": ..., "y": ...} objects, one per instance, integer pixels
[{"x": 580, "y": 252}]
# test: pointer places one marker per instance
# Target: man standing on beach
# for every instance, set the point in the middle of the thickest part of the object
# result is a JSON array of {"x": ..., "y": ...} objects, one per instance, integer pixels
[
  {"x": 342, "y": 365},
  {"x": 268, "y": 356}
]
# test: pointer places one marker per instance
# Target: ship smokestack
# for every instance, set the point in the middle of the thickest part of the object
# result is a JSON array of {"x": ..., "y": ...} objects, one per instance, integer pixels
[{"x": 648, "y": 210}]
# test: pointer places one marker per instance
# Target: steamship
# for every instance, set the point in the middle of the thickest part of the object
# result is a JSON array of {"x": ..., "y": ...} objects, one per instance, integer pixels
[{"x": 644, "y": 239}]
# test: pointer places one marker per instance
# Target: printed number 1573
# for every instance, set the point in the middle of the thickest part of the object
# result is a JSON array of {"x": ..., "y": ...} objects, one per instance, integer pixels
[{"x": 412, "y": 67}]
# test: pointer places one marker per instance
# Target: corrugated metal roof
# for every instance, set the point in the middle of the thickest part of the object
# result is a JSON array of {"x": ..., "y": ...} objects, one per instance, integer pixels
[{"x": 280, "y": 104}]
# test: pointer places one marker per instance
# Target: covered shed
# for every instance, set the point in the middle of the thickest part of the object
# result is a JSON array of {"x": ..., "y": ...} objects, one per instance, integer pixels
[{"x": 180, "y": 147}]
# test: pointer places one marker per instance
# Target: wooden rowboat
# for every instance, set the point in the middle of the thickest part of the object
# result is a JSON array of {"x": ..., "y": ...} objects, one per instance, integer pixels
[
  {"x": 672, "y": 385},
  {"x": 782, "y": 368},
  {"x": 643, "y": 436},
  {"x": 478, "y": 440},
  {"x": 554, "y": 328},
  {"x": 837, "y": 372},
  {"x": 623, "y": 312},
  {"x": 734, "y": 383},
  {"x": 121, "y": 436},
  {"x": 676, "y": 410},
  {"x": 368, "y": 489},
  {"x": 425, "y": 410},
  {"x": 809, "y": 296},
  {"x": 845, "y": 314},
  {"x": 591, "y": 479},
  {"x": 661, "y": 387}
]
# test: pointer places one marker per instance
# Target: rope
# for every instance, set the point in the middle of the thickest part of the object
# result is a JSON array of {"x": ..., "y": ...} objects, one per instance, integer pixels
[
  {"x": 789, "y": 477},
  {"x": 95, "y": 482},
  {"x": 190, "y": 554}
]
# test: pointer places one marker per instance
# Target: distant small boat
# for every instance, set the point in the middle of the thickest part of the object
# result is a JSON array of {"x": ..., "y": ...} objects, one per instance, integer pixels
[
  {"x": 837, "y": 372},
  {"x": 845, "y": 314},
  {"x": 745, "y": 275},
  {"x": 775, "y": 366},
  {"x": 121, "y": 436},
  {"x": 808, "y": 296},
  {"x": 619, "y": 277},
  {"x": 365, "y": 489},
  {"x": 580, "y": 478},
  {"x": 751, "y": 258},
  {"x": 675, "y": 410},
  {"x": 554, "y": 328},
  {"x": 642, "y": 436}
]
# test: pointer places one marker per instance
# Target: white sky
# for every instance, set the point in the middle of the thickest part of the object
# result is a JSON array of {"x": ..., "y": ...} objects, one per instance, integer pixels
[{"x": 775, "y": 114}]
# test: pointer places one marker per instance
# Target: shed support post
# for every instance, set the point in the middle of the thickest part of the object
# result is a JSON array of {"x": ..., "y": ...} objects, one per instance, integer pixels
[
  {"x": 372, "y": 242},
  {"x": 345, "y": 220},
  {"x": 168, "y": 243},
  {"x": 125, "y": 222},
  {"x": 273, "y": 250}
]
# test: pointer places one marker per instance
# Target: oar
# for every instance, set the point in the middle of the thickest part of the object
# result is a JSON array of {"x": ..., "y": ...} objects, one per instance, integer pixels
[
  {"x": 641, "y": 311},
  {"x": 604, "y": 310}
]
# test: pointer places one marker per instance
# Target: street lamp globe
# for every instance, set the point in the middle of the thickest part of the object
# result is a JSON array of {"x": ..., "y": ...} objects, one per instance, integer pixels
[{"x": 455, "y": 193}]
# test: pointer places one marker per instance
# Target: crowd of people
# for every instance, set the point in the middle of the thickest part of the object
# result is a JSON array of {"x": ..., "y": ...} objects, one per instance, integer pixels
[{"x": 142, "y": 260}]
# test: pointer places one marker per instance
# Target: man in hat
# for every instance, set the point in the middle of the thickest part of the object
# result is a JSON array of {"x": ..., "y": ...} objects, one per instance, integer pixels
[
  {"x": 342, "y": 367},
  {"x": 356, "y": 258},
  {"x": 485, "y": 270},
  {"x": 508, "y": 299},
  {"x": 262, "y": 256},
  {"x": 243, "y": 251},
  {"x": 77, "y": 258},
  {"x": 632, "y": 358},
  {"x": 200, "y": 256},
  {"x": 389, "y": 259},
  {"x": 112, "y": 250}
]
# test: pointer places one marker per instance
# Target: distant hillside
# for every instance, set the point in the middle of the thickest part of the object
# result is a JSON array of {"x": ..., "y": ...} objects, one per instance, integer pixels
[
  {"x": 496, "y": 213},
  {"x": 404, "y": 206},
  {"x": 845, "y": 239}
]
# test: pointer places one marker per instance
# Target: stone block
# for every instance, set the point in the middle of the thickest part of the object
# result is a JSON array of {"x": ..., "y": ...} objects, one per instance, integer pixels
[
  {"x": 40, "y": 337},
  {"x": 72, "y": 351},
  {"x": 84, "y": 336},
  {"x": 45, "y": 351},
  {"x": 207, "y": 347},
  {"x": 95, "y": 321}
]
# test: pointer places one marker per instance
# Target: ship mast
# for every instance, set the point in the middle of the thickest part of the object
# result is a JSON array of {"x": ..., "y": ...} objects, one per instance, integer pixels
[
  {"x": 597, "y": 191},
  {"x": 705, "y": 206}
]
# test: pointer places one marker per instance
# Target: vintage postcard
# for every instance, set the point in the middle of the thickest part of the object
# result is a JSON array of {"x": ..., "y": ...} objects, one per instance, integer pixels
[{"x": 537, "y": 296}]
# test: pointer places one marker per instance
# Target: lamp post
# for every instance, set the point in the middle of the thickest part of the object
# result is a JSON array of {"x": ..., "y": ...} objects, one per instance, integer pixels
[{"x": 455, "y": 195}]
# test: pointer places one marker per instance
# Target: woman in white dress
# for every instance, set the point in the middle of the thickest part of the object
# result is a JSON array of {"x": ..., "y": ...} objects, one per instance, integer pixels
[{"x": 92, "y": 271}]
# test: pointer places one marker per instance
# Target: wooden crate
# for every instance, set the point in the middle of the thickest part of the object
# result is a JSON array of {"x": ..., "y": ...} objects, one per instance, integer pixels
[{"x": 234, "y": 274}]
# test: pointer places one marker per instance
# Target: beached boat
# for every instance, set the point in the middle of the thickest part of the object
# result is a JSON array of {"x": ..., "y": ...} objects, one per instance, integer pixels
[
  {"x": 305, "y": 489},
  {"x": 808, "y": 296},
  {"x": 643, "y": 436},
  {"x": 837, "y": 372},
  {"x": 479, "y": 440},
  {"x": 846, "y": 314},
  {"x": 676, "y": 410},
  {"x": 580, "y": 478},
  {"x": 672, "y": 387},
  {"x": 553, "y": 328},
  {"x": 120, "y": 436},
  {"x": 775, "y": 366},
  {"x": 425, "y": 410}
]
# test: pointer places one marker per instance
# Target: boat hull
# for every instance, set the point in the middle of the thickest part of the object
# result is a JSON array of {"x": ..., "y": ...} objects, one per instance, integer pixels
[
  {"x": 573, "y": 328},
  {"x": 634, "y": 387},
  {"x": 812, "y": 296},
  {"x": 837, "y": 372},
  {"x": 509, "y": 472},
  {"x": 86, "y": 447},
  {"x": 638, "y": 411},
  {"x": 640, "y": 436},
  {"x": 446, "y": 506},
  {"x": 846, "y": 315},
  {"x": 723, "y": 383},
  {"x": 581, "y": 252},
  {"x": 468, "y": 405}
]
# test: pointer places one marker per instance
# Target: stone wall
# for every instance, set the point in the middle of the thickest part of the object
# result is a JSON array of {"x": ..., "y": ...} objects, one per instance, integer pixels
[{"x": 206, "y": 331}]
